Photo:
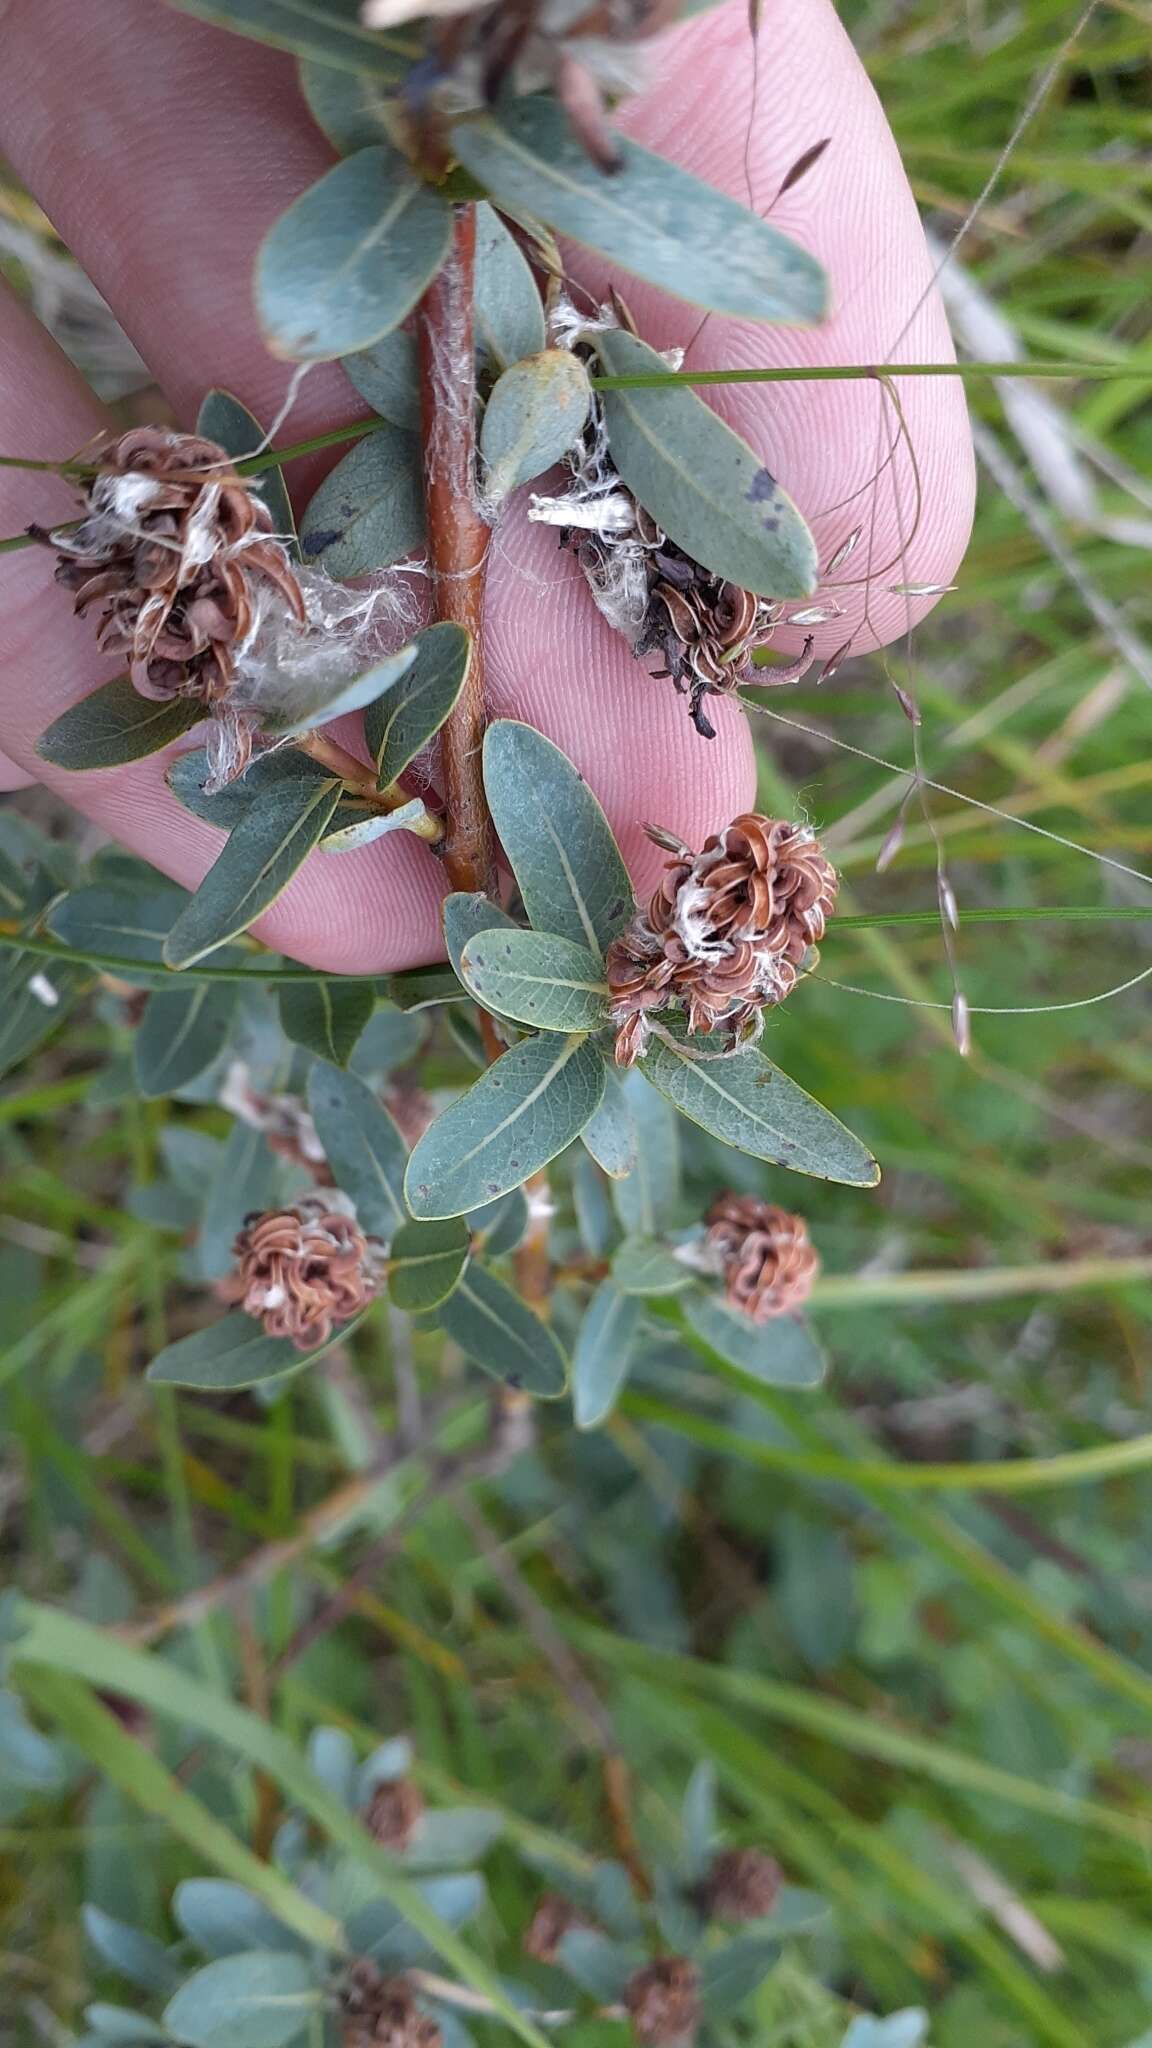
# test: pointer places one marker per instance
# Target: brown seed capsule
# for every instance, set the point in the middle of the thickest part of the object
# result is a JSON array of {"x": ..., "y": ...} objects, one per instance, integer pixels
[
  {"x": 394, "y": 1813},
  {"x": 302, "y": 1271},
  {"x": 553, "y": 1919},
  {"x": 767, "y": 1261},
  {"x": 725, "y": 934},
  {"x": 663, "y": 2003},
  {"x": 177, "y": 549},
  {"x": 380, "y": 2012},
  {"x": 742, "y": 1884}
]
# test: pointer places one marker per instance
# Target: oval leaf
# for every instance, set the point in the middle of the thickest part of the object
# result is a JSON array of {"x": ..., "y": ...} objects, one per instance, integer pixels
[
  {"x": 559, "y": 843},
  {"x": 224, "y": 1919},
  {"x": 259, "y": 1999},
  {"x": 730, "y": 1975},
  {"x": 369, "y": 511},
  {"x": 508, "y": 317},
  {"x": 350, "y": 258},
  {"x": 748, "y": 1103},
  {"x": 464, "y": 915},
  {"x": 331, "y": 33},
  {"x": 604, "y": 1347},
  {"x": 611, "y": 1135},
  {"x": 183, "y": 1030},
  {"x": 124, "y": 923},
  {"x": 114, "y": 725},
  {"x": 648, "y": 1198},
  {"x": 709, "y": 490},
  {"x": 425, "y": 1263},
  {"x": 387, "y": 376},
  {"x": 222, "y": 418},
  {"x": 234, "y": 1353},
  {"x": 780, "y": 1353},
  {"x": 535, "y": 413},
  {"x": 296, "y": 707},
  {"x": 501, "y": 1224},
  {"x": 502, "y": 1335},
  {"x": 403, "y": 720},
  {"x": 326, "y": 1016},
  {"x": 641, "y": 1267},
  {"x": 131, "y": 1953},
  {"x": 363, "y": 1146},
  {"x": 453, "y": 1835},
  {"x": 536, "y": 979},
  {"x": 647, "y": 215},
  {"x": 225, "y": 807},
  {"x": 350, "y": 105},
  {"x": 263, "y": 853},
  {"x": 517, "y": 1117}
]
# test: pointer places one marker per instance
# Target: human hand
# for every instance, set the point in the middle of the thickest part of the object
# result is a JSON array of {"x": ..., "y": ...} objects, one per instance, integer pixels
[{"x": 163, "y": 150}]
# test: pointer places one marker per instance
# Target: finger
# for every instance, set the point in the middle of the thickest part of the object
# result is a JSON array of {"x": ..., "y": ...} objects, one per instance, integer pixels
[
  {"x": 342, "y": 911},
  {"x": 228, "y": 144}
]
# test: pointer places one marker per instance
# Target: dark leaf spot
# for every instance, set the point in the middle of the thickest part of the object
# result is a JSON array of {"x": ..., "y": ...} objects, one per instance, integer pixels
[
  {"x": 314, "y": 543},
  {"x": 762, "y": 489}
]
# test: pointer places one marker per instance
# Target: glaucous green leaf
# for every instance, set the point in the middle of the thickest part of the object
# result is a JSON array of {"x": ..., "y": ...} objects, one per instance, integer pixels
[
  {"x": 390, "y": 1760},
  {"x": 453, "y": 1835},
  {"x": 351, "y": 106},
  {"x": 29, "y": 1761},
  {"x": 425, "y": 1261},
  {"x": 647, "y": 215},
  {"x": 502, "y": 1335},
  {"x": 325, "y": 1016},
  {"x": 294, "y": 707},
  {"x": 729, "y": 1975},
  {"x": 603, "y": 1352},
  {"x": 905, "y": 2029},
  {"x": 508, "y": 316},
  {"x": 420, "y": 988},
  {"x": 599, "y": 1966},
  {"x": 501, "y": 1224},
  {"x": 222, "y": 418},
  {"x": 332, "y": 1755},
  {"x": 359, "y": 824},
  {"x": 536, "y": 979},
  {"x": 113, "y": 725},
  {"x": 558, "y": 842},
  {"x": 782, "y": 1352},
  {"x": 242, "y": 1180},
  {"x": 255, "y": 866},
  {"x": 259, "y": 1999},
  {"x": 363, "y": 1146},
  {"x": 412, "y": 711},
  {"x": 594, "y": 1217},
  {"x": 464, "y": 915},
  {"x": 224, "y": 1919},
  {"x": 387, "y": 376},
  {"x": 188, "y": 773},
  {"x": 535, "y": 413},
  {"x": 748, "y": 1103},
  {"x": 390, "y": 1039},
  {"x": 648, "y": 1198},
  {"x": 378, "y": 1930},
  {"x": 234, "y": 1353},
  {"x": 114, "y": 2023},
  {"x": 329, "y": 30},
  {"x": 611, "y": 1135},
  {"x": 35, "y": 997},
  {"x": 642, "y": 1266},
  {"x": 131, "y": 1953},
  {"x": 182, "y": 1031},
  {"x": 126, "y": 923},
  {"x": 698, "y": 1821},
  {"x": 529, "y": 1105},
  {"x": 369, "y": 510},
  {"x": 709, "y": 490},
  {"x": 350, "y": 258}
]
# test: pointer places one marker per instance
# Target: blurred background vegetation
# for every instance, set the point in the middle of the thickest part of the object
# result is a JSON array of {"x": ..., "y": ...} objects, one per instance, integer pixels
[{"x": 928, "y": 1693}]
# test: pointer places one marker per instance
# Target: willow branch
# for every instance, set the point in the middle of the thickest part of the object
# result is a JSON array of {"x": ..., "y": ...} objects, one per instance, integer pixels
[{"x": 458, "y": 540}]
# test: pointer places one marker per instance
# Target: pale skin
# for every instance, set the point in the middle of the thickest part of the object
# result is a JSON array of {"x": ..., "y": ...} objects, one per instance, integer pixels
[{"x": 163, "y": 149}]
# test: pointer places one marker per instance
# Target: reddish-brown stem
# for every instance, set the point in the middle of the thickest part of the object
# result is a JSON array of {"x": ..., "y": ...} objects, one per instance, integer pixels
[{"x": 458, "y": 540}]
